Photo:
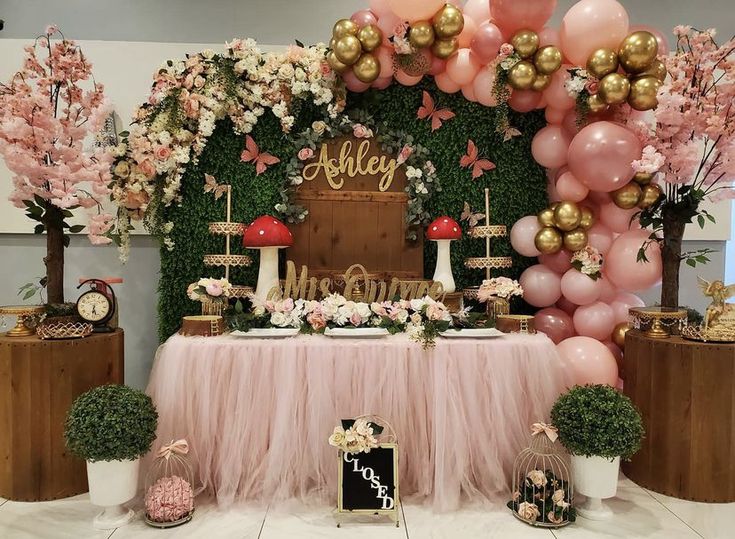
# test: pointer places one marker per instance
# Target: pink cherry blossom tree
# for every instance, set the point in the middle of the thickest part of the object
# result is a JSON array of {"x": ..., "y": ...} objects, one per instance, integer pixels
[
  {"x": 691, "y": 147},
  {"x": 46, "y": 117}
]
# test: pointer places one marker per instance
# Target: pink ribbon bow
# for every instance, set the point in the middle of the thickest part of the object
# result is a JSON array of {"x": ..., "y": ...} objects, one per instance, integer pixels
[
  {"x": 549, "y": 430},
  {"x": 180, "y": 447}
]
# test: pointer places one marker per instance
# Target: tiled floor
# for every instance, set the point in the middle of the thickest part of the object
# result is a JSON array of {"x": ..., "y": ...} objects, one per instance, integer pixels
[{"x": 638, "y": 513}]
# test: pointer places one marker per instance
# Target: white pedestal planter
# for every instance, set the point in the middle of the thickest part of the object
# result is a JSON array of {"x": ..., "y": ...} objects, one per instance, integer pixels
[
  {"x": 595, "y": 478},
  {"x": 111, "y": 484}
]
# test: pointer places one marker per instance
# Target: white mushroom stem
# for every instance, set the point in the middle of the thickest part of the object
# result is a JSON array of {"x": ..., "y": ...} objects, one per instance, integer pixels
[
  {"x": 267, "y": 272},
  {"x": 443, "y": 272}
]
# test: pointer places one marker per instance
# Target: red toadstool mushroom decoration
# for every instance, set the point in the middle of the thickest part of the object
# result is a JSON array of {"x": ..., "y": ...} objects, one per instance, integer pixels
[
  {"x": 267, "y": 234},
  {"x": 443, "y": 230}
]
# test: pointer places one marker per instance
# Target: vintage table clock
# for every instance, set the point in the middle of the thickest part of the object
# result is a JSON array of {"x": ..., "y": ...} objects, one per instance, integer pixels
[{"x": 97, "y": 305}]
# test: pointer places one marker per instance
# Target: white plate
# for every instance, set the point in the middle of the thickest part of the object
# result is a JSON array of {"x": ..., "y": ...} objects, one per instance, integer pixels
[
  {"x": 360, "y": 333},
  {"x": 475, "y": 333},
  {"x": 267, "y": 333}
]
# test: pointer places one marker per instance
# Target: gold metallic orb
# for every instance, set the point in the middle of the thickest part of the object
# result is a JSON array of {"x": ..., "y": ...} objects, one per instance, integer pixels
[
  {"x": 344, "y": 27},
  {"x": 657, "y": 69},
  {"x": 651, "y": 194},
  {"x": 602, "y": 62},
  {"x": 547, "y": 59},
  {"x": 546, "y": 217},
  {"x": 638, "y": 51},
  {"x": 628, "y": 196},
  {"x": 525, "y": 43},
  {"x": 448, "y": 22},
  {"x": 643, "y": 92},
  {"x": 614, "y": 89},
  {"x": 348, "y": 49},
  {"x": 370, "y": 37},
  {"x": 367, "y": 68},
  {"x": 567, "y": 215},
  {"x": 444, "y": 48},
  {"x": 588, "y": 218},
  {"x": 335, "y": 64},
  {"x": 618, "y": 334},
  {"x": 575, "y": 240},
  {"x": 596, "y": 104},
  {"x": 421, "y": 34},
  {"x": 541, "y": 82},
  {"x": 548, "y": 240},
  {"x": 642, "y": 178},
  {"x": 522, "y": 75}
]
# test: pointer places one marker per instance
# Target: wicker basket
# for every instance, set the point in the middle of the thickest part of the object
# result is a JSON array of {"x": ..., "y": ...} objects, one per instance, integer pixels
[{"x": 63, "y": 327}]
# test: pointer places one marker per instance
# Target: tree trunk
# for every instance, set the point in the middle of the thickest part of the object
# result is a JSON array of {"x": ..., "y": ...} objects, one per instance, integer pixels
[
  {"x": 671, "y": 258},
  {"x": 54, "y": 259}
]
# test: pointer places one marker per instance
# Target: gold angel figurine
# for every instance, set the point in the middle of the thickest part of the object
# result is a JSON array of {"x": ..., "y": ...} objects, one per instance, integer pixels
[{"x": 719, "y": 294}]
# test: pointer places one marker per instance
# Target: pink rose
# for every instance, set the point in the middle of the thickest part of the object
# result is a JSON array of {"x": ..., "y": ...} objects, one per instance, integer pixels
[
  {"x": 191, "y": 107},
  {"x": 133, "y": 201},
  {"x": 325, "y": 69},
  {"x": 434, "y": 312},
  {"x": 214, "y": 289},
  {"x": 506, "y": 49},
  {"x": 162, "y": 153},
  {"x": 360, "y": 131},
  {"x": 591, "y": 86},
  {"x": 305, "y": 153},
  {"x": 147, "y": 168},
  {"x": 405, "y": 153},
  {"x": 355, "y": 319},
  {"x": 316, "y": 320}
]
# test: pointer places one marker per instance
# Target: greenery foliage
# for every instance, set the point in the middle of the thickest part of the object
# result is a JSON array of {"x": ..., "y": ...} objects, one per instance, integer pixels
[
  {"x": 598, "y": 420},
  {"x": 517, "y": 186},
  {"x": 111, "y": 422}
]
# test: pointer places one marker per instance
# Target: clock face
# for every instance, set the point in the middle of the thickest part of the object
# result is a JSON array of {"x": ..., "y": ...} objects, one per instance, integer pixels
[{"x": 93, "y": 306}]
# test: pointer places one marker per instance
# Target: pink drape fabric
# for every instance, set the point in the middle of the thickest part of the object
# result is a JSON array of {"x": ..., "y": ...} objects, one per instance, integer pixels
[{"x": 257, "y": 413}]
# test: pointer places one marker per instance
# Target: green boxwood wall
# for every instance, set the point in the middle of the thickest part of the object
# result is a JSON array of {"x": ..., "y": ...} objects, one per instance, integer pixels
[{"x": 518, "y": 186}]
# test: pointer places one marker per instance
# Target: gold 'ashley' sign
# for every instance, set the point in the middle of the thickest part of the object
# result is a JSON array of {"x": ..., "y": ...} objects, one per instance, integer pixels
[{"x": 351, "y": 158}]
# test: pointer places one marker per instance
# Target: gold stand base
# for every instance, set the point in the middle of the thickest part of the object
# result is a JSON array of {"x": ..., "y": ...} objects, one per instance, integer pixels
[{"x": 22, "y": 313}]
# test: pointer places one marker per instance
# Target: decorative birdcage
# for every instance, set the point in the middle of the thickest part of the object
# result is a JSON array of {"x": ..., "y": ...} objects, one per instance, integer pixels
[
  {"x": 169, "y": 491},
  {"x": 542, "y": 493}
]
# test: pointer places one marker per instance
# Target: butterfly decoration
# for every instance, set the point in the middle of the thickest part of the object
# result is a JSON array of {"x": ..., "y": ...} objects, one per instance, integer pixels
[
  {"x": 509, "y": 133},
  {"x": 429, "y": 111},
  {"x": 211, "y": 186},
  {"x": 252, "y": 154},
  {"x": 471, "y": 160},
  {"x": 471, "y": 218}
]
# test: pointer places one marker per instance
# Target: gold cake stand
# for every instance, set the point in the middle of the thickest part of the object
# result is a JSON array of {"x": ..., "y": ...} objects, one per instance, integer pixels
[
  {"x": 660, "y": 318},
  {"x": 22, "y": 314}
]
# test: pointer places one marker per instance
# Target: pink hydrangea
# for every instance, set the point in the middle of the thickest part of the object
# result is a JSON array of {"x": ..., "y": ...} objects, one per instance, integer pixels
[{"x": 169, "y": 499}]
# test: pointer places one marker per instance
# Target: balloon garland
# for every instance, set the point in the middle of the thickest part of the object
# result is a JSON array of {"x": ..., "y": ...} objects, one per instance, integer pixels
[
  {"x": 536, "y": 64},
  {"x": 564, "y": 224}
]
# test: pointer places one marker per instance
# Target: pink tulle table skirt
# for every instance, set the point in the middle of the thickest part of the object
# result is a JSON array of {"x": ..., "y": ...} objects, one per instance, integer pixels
[{"x": 257, "y": 413}]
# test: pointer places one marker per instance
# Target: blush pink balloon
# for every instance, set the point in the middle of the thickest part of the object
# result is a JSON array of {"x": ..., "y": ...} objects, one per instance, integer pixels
[
  {"x": 468, "y": 91},
  {"x": 549, "y": 36},
  {"x": 595, "y": 320},
  {"x": 554, "y": 116},
  {"x": 483, "y": 86},
  {"x": 415, "y": 10},
  {"x": 550, "y": 147},
  {"x": 379, "y": 7},
  {"x": 607, "y": 290},
  {"x": 663, "y": 42},
  {"x": 622, "y": 302},
  {"x": 468, "y": 32},
  {"x": 601, "y": 154},
  {"x": 382, "y": 83},
  {"x": 487, "y": 41},
  {"x": 560, "y": 262},
  {"x": 622, "y": 267},
  {"x": 590, "y": 25},
  {"x": 556, "y": 94},
  {"x": 579, "y": 288},
  {"x": 406, "y": 79},
  {"x": 437, "y": 66},
  {"x": 555, "y": 323},
  {"x": 600, "y": 237},
  {"x": 570, "y": 188},
  {"x": 524, "y": 100},
  {"x": 617, "y": 219},
  {"x": 618, "y": 355},
  {"x": 600, "y": 198},
  {"x": 364, "y": 17},
  {"x": 478, "y": 10},
  {"x": 514, "y": 15},
  {"x": 445, "y": 83},
  {"x": 522, "y": 234},
  {"x": 551, "y": 190},
  {"x": 463, "y": 66},
  {"x": 353, "y": 83},
  {"x": 387, "y": 23},
  {"x": 385, "y": 57},
  {"x": 542, "y": 104},
  {"x": 541, "y": 286},
  {"x": 567, "y": 306},
  {"x": 587, "y": 361}
]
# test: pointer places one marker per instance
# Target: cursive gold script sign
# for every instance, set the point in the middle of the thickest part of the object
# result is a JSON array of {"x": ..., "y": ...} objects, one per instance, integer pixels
[{"x": 352, "y": 159}]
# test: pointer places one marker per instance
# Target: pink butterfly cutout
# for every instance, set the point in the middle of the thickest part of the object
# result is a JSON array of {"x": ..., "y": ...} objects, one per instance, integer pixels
[
  {"x": 251, "y": 154},
  {"x": 479, "y": 166},
  {"x": 429, "y": 110},
  {"x": 211, "y": 186}
]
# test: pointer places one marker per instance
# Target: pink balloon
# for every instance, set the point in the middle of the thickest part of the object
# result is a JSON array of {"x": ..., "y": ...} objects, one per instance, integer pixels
[
  {"x": 468, "y": 91},
  {"x": 621, "y": 303},
  {"x": 567, "y": 306},
  {"x": 387, "y": 23},
  {"x": 524, "y": 100},
  {"x": 607, "y": 290},
  {"x": 551, "y": 190},
  {"x": 379, "y": 7},
  {"x": 556, "y": 94},
  {"x": 445, "y": 83},
  {"x": 560, "y": 262},
  {"x": 590, "y": 25},
  {"x": 550, "y": 147},
  {"x": 587, "y": 361},
  {"x": 522, "y": 235},
  {"x": 618, "y": 355},
  {"x": 364, "y": 17},
  {"x": 617, "y": 219},
  {"x": 542, "y": 104},
  {"x": 415, "y": 10},
  {"x": 549, "y": 36},
  {"x": 487, "y": 41},
  {"x": 600, "y": 237},
  {"x": 406, "y": 79},
  {"x": 601, "y": 154},
  {"x": 554, "y": 116},
  {"x": 663, "y": 42},
  {"x": 467, "y": 33},
  {"x": 570, "y": 188},
  {"x": 555, "y": 323},
  {"x": 541, "y": 286},
  {"x": 514, "y": 15},
  {"x": 353, "y": 83},
  {"x": 600, "y": 198},
  {"x": 595, "y": 320},
  {"x": 463, "y": 66},
  {"x": 622, "y": 267},
  {"x": 580, "y": 288},
  {"x": 385, "y": 57},
  {"x": 437, "y": 66},
  {"x": 478, "y": 10},
  {"x": 382, "y": 83},
  {"x": 570, "y": 123},
  {"x": 483, "y": 86}
]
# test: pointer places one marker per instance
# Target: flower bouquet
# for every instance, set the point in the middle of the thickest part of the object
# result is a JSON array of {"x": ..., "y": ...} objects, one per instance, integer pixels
[
  {"x": 588, "y": 261},
  {"x": 212, "y": 293},
  {"x": 543, "y": 498},
  {"x": 355, "y": 435},
  {"x": 496, "y": 293}
]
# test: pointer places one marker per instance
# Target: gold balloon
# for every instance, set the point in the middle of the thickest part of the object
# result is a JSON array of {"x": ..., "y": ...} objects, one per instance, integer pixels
[
  {"x": 548, "y": 240},
  {"x": 657, "y": 69},
  {"x": 596, "y": 104},
  {"x": 553, "y": 205},
  {"x": 332, "y": 43},
  {"x": 618, "y": 334},
  {"x": 575, "y": 240},
  {"x": 628, "y": 196},
  {"x": 448, "y": 21},
  {"x": 614, "y": 89},
  {"x": 335, "y": 64},
  {"x": 588, "y": 218},
  {"x": 421, "y": 34},
  {"x": 541, "y": 82},
  {"x": 367, "y": 68},
  {"x": 525, "y": 42},
  {"x": 602, "y": 62},
  {"x": 370, "y": 37},
  {"x": 546, "y": 217},
  {"x": 444, "y": 48},
  {"x": 547, "y": 59},
  {"x": 348, "y": 49},
  {"x": 651, "y": 194},
  {"x": 344, "y": 27},
  {"x": 642, "y": 178},
  {"x": 638, "y": 51},
  {"x": 522, "y": 75},
  {"x": 643, "y": 92},
  {"x": 567, "y": 216}
]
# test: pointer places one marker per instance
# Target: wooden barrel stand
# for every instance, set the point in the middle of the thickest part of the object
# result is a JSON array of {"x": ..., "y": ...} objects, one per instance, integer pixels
[
  {"x": 39, "y": 380},
  {"x": 685, "y": 391}
]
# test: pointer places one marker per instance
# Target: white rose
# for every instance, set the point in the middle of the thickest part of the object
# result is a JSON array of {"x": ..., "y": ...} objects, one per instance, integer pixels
[
  {"x": 363, "y": 309},
  {"x": 528, "y": 511},
  {"x": 417, "y": 304},
  {"x": 279, "y": 319}
]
